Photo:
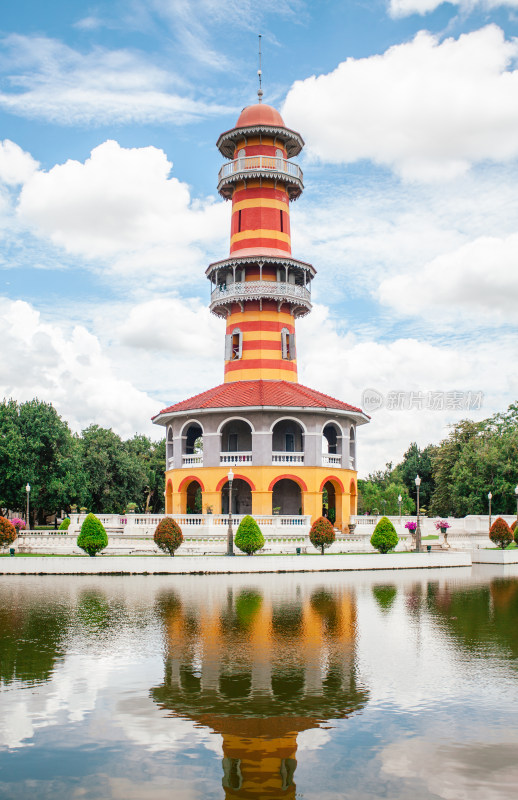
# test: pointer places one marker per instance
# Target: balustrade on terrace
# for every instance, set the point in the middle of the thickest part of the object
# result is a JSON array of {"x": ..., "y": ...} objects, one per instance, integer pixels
[{"x": 233, "y": 459}]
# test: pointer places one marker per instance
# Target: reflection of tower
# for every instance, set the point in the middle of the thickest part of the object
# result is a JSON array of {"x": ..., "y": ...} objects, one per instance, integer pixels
[
  {"x": 259, "y": 673},
  {"x": 288, "y": 442}
]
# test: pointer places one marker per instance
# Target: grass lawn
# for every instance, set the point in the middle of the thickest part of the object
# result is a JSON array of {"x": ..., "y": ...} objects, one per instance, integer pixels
[{"x": 425, "y": 538}]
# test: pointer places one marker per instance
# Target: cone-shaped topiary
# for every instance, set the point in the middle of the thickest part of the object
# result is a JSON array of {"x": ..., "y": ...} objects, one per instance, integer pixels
[
  {"x": 384, "y": 537},
  {"x": 92, "y": 537},
  {"x": 322, "y": 534},
  {"x": 65, "y": 524},
  {"x": 7, "y": 532},
  {"x": 248, "y": 536},
  {"x": 513, "y": 526},
  {"x": 500, "y": 533},
  {"x": 168, "y": 535}
]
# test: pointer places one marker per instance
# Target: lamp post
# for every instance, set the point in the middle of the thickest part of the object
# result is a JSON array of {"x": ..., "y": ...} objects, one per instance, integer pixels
[
  {"x": 399, "y": 499},
  {"x": 230, "y": 535},
  {"x": 418, "y": 529},
  {"x": 28, "y": 490},
  {"x": 489, "y": 497}
]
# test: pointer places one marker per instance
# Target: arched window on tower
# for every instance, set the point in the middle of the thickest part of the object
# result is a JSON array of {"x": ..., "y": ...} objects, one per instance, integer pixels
[
  {"x": 287, "y": 345},
  {"x": 169, "y": 449},
  {"x": 233, "y": 345}
]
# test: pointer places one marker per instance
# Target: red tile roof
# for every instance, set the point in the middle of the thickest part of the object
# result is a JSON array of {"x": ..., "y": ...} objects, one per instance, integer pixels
[{"x": 259, "y": 393}]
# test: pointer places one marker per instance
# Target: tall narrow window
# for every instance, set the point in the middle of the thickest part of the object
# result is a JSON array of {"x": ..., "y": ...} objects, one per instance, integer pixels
[
  {"x": 287, "y": 345},
  {"x": 282, "y": 223},
  {"x": 239, "y": 220},
  {"x": 290, "y": 443},
  {"x": 232, "y": 443},
  {"x": 233, "y": 345}
]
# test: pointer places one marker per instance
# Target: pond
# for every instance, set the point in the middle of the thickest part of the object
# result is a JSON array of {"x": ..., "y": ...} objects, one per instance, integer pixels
[{"x": 345, "y": 685}]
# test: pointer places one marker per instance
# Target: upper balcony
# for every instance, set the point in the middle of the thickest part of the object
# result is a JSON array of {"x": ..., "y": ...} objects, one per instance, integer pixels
[
  {"x": 246, "y": 167},
  {"x": 239, "y": 292}
]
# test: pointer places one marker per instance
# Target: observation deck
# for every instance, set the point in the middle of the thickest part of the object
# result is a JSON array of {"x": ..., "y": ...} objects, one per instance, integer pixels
[
  {"x": 297, "y": 296},
  {"x": 272, "y": 167}
]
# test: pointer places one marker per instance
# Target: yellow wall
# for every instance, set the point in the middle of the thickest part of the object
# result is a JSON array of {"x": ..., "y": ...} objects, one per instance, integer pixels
[{"x": 261, "y": 478}]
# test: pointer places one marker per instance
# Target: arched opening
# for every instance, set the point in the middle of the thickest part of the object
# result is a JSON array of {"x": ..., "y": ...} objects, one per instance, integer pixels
[
  {"x": 241, "y": 497},
  {"x": 193, "y": 498},
  {"x": 286, "y": 497},
  {"x": 236, "y": 442},
  {"x": 169, "y": 449},
  {"x": 332, "y": 445},
  {"x": 169, "y": 498},
  {"x": 352, "y": 448},
  {"x": 192, "y": 443},
  {"x": 287, "y": 442},
  {"x": 332, "y": 499},
  {"x": 354, "y": 498}
]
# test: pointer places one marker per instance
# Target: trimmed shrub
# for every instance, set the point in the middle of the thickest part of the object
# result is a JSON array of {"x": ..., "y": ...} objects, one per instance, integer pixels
[
  {"x": 65, "y": 524},
  {"x": 7, "y": 532},
  {"x": 168, "y": 535},
  {"x": 331, "y": 515},
  {"x": 92, "y": 537},
  {"x": 513, "y": 526},
  {"x": 384, "y": 537},
  {"x": 322, "y": 534},
  {"x": 500, "y": 533},
  {"x": 248, "y": 536}
]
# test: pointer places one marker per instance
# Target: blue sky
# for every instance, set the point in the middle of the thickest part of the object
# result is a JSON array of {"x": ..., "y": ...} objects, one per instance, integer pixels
[{"x": 109, "y": 215}]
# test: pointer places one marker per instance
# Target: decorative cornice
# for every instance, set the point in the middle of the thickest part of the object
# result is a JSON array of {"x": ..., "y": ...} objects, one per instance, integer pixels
[
  {"x": 239, "y": 261},
  {"x": 293, "y": 140}
]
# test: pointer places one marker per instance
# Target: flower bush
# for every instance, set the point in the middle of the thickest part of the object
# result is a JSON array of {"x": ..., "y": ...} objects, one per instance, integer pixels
[
  {"x": 500, "y": 533},
  {"x": 18, "y": 523},
  {"x": 248, "y": 536},
  {"x": 322, "y": 534},
  {"x": 385, "y": 537},
  {"x": 411, "y": 526},
  {"x": 442, "y": 525},
  {"x": 92, "y": 538},
  {"x": 168, "y": 535},
  {"x": 7, "y": 532}
]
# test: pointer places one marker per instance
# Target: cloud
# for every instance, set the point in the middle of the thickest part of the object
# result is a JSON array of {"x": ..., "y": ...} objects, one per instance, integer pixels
[
  {"x": 68, "y": 368},
  {"x": 403, "y": 8},
  {"x": 427, "y": 109},
  {"x": 478, "y": 279},
  {"x": 48, "y": 80},
  {"x": 121, "y": 206},
  {"x": 16, "y": 166}
]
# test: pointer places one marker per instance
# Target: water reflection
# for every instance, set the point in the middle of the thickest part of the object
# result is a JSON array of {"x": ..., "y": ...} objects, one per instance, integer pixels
[{"x": 259, "y": 671}]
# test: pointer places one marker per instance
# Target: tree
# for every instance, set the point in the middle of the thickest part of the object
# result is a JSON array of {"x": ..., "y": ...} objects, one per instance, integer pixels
[
  {"x": 168, "y": 535},
  {"x": 500, "y": 533},
  {"x": 7, "y": 533},
  {"x": 248, "y": 536},
  {"x": 92, "y": 537},
  {"x": 11, "y": 453},
  {"x": 322, "y": 534},
  {"x": 115, "y": 474},
  {"x": 417, "y": 462},
  {"x": 384, "y": 537}
]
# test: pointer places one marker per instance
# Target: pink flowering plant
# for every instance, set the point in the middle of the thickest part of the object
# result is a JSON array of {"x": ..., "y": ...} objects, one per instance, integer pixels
[
  {"x": 441, "y": 524},
  {"x": 411, "y": 526},
  {"x": 18, "y": 523}
]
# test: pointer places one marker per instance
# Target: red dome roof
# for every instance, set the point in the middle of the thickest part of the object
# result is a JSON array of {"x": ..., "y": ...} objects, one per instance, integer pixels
[{"x": 260, "y": 114}]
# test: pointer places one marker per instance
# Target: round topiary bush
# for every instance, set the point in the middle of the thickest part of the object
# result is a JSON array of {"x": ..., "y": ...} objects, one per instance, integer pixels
[
  {"x": 322, "y": 534},
  {"x": 168, "y": 535},
  {"x": 65, "y": 524},
  {"x": 513, "y": 526},
  {"x": 384, "y": 537},
  {"x": 248, "y": 536},
  {"x": 92, "y": 537},
  {"x": 500, "y": 533},
  {"x": 7, "y": 532}
]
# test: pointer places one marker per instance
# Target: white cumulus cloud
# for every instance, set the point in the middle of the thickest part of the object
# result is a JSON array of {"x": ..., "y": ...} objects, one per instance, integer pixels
[{"x": 428, "y": 109}]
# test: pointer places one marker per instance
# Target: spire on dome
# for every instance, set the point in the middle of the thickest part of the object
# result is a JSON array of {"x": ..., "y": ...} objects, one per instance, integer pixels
[{"x": 260, "y": 74}]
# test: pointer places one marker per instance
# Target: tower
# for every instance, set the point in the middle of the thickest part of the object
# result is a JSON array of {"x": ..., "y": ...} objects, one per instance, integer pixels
[{"x": 287, "y": 443}]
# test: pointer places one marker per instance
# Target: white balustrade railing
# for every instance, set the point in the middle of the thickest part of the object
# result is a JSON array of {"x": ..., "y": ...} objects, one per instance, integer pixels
[
  {"x": 195, "y": 460},
  {"x": 233, "y": 459},
  {"x": 253, "y": 289},
  {"x": 260, "y": 163},
  {"x": 329, "y": 460},
  {"x": 287, "y": 458}
]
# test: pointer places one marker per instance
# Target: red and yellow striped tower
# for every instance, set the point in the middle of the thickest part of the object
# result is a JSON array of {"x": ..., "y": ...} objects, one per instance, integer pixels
[{"x": 260, "y": 289}]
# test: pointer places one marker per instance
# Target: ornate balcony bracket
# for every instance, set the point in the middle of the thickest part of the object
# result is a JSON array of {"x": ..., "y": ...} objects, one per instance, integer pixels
[{"x": 240, "y": 292}]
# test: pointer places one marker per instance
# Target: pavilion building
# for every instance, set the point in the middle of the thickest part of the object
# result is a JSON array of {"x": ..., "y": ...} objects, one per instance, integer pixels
[{"x": 285, "y": 442}]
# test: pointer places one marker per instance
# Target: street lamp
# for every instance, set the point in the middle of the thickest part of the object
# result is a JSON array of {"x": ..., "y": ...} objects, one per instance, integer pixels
[
  {"x": 230, "y": 535},
  {"x": 516, "y": 493},
  {"x": 399, "y": 499},
  {"x": 489, "y": 497},
  {"x": 28, "y": 490},
  {"x": 418, "y": 529}
]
